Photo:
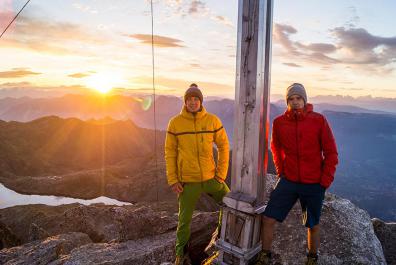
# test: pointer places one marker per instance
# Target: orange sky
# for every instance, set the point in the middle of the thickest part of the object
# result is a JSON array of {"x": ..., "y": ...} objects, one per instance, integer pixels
[{"x": 73, "y": 45}]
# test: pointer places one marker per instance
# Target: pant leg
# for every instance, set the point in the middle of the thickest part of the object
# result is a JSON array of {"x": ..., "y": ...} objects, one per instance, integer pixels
[
  {"x": 282, "y": 200},
  {"x": 187, "y": 201},
  {"x": 217, "y": 191},
  {"x": 311, "y": 201}
]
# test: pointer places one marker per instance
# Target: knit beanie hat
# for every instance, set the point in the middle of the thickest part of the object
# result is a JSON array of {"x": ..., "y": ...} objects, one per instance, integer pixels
[
  {"x": 296, "y": 89},
  {"x": 193, "y": 91}
]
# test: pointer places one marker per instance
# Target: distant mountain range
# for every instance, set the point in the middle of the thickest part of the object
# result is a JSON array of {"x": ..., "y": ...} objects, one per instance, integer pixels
[
  {"x": 365, "y": 102},
  {"x": 366, "y": 141},
  {"x": 138, "y": 109}
]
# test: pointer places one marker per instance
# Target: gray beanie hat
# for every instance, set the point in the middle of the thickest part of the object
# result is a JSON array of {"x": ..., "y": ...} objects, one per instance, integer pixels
[
  {"x": 193, "y": 91},
  {"x": 296, "y": 89}
]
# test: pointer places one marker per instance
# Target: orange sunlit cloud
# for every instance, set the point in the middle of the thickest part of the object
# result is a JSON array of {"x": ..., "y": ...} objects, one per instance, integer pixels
[
  {"x": 17, "y": 73},
  {"x": 79, "y": 75},
  {"x": 159, "y": 41}
]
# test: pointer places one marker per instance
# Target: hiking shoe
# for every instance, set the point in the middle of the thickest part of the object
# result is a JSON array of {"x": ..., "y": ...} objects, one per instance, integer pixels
[
  {"x": 263, "y": 258},
  {"x": 179, "y": 260},
  {"x": 312, "y": 259}
]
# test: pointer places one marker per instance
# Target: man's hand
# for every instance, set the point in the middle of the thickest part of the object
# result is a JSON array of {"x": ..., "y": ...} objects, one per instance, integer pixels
[
  {"x": 220, "y": 180},
  {"x": 177, "y": 188}
]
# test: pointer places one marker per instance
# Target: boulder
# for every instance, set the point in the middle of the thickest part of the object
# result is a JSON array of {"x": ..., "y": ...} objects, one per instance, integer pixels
[{"x": 386, "y": 233}]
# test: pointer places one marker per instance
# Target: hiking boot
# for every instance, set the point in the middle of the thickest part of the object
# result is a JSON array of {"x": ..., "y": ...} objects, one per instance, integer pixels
[
  {"x": 263, "y": 258},
  {"x": 312, "y": 259},
  {"x": 179, "y": 260}
]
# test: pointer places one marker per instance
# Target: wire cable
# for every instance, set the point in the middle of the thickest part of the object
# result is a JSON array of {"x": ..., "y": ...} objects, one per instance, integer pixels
[
  {"x": 154, "y": 100},
  {"x": 14, "y": 19}
]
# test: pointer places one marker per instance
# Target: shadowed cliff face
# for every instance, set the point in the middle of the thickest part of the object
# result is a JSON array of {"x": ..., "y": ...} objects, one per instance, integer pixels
[{"x": 145, "y": 233}]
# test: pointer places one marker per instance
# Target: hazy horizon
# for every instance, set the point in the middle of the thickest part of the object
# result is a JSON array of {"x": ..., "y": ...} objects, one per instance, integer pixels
[{"x": 79, "y": 45}]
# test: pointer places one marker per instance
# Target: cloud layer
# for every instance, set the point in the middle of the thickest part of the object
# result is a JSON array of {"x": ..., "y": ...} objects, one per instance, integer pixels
[
  {"x": 159, "y": 41},
  {"x": 353, "y": 47},
  {"x": 17, "y": 73}
]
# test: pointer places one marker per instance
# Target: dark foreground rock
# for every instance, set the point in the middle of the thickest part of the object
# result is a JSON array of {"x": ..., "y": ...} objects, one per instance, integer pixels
[
  {"x": 44, "y": 251},
  {"x": 386, "y": 233}
]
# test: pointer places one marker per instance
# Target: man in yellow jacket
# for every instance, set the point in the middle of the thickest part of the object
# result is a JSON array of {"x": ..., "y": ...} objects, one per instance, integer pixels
[{"x": 190, "y": 166}]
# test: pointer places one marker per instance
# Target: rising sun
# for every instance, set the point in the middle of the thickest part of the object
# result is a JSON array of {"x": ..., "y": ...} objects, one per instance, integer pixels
[{"x": 102, "y": 83}]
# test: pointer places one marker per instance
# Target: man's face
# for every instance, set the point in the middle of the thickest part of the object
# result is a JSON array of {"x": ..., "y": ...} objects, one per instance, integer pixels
[
  {"x": 295, "y": 102},
  {"x": 193, "y": 104}
]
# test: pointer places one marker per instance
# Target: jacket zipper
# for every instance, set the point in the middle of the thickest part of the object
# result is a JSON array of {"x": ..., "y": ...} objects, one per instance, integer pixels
[
  {"x": 196, "y": 142},
  {"x": 298, "y": 153}
]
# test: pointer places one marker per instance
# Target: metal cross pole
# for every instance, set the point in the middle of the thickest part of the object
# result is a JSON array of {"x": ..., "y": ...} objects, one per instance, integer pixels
[{"x": 240, "y": 234}]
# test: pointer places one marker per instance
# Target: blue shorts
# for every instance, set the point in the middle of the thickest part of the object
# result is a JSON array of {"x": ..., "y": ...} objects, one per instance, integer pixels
[{"x": 285, "y": 195}]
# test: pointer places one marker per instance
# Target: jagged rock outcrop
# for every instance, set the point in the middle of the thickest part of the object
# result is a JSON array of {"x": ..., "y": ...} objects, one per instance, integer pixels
[
  {"x": 37, "y": 233},
  {"x": 148, "y": 250},
  {"x": 44, "y": 251},
  {"x": 103, "y": 223},
  {"x": 386, "y": 233},
  {"x": 7, "y": 238},
  {"x": 155, "y": 243}
]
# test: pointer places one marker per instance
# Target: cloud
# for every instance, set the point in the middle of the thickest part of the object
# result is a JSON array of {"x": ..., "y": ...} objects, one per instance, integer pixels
[
  {"x": 85, "y": 8},
  {"x": 79, "y": 75},
  {"x": 50, "y": 36},
  {"x": 223, "y": 20},
  {"x": 355, "y": 48},
  {"x": 159, "y": 41},
  {"x": 318, "y": 47},
  {"x": 361, "y": 47},
  {"x": 292, "y": 64},
  {"x": 196, "y": 7},
  {"x": 12, "y": 85},
  {"x": 17, "y": 73},
  {"x": 315, "y": 50}
]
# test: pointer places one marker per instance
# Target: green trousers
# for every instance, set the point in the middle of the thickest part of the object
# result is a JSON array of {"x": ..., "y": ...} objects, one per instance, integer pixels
[{"x": 187, "y": 201}]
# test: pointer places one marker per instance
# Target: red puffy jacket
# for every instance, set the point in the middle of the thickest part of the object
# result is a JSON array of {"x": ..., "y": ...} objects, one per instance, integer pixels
[{"x": 303, "y": 147}]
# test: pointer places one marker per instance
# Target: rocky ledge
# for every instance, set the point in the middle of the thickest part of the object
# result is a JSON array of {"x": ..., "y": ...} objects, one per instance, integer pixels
[{"x": 145, "y": 234}]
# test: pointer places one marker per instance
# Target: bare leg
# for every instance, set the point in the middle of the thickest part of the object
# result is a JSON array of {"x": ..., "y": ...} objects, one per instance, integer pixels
[
  {"x": 313, "y": 239},
  {"x": 267, "y": 232}
]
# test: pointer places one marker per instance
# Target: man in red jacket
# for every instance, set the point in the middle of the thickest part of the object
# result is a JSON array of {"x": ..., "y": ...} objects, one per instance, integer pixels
[{"x": 305, "y": 157}]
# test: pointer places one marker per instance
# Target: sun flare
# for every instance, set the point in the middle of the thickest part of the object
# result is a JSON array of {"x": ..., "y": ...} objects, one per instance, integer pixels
[{"x": 103, "y": 83}]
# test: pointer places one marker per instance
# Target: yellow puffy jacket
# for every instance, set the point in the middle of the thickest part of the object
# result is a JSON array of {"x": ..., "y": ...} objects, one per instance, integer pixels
[{"x": 189, "y": 147}]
